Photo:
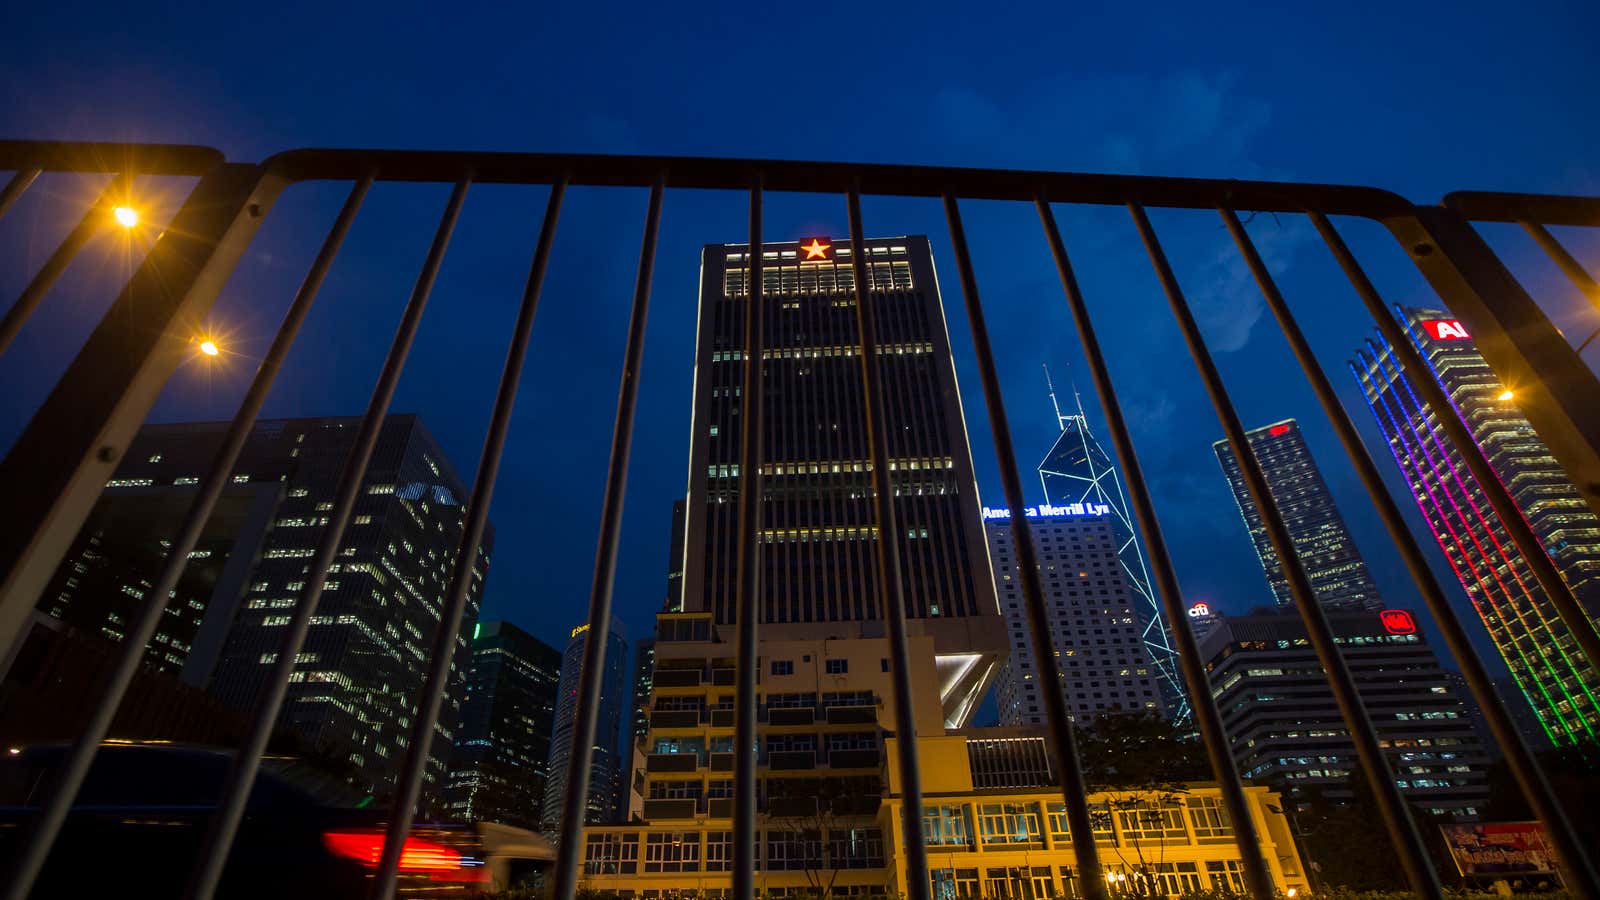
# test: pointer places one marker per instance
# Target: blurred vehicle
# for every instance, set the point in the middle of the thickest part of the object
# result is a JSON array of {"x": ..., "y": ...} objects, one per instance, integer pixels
[{"x": 136, "y": 829}]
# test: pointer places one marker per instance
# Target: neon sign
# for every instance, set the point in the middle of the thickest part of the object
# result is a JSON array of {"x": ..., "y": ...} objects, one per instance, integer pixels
[
  {"x": 1446, "y": 330},
  {"x": 1398, "y": 621},
  {"x": 1277, "y": 430},
  {"x": 1199, "y": 610},
  {"x": 1050, "y": 512},
  {"x": 579, "y": 630}
]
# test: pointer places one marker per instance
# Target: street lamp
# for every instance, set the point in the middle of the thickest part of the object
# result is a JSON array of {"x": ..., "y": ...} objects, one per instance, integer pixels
[
  {"x": 126, "y": 216},
  {"x": 1506, "y": 394},
  {"x": 209, "y": 347}
]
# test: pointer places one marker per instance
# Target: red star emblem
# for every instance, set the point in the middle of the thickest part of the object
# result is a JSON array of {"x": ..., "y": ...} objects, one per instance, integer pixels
[{"x": 816, "y": 249}]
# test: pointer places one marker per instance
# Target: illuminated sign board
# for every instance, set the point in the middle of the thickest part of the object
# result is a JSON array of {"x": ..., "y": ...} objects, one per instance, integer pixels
[
  {"x": 579, "y": 630},
  {"x": 1500, "y": 848},
  {"x": 1199, "y": 610},
  {"x": 1277, "y": 430},
  {"x": 1398, "y": 621},
  {"x": 1446, "y": 330},
  {"x": 817, "y": 249},
  {"x": 1050, "y": 512}
]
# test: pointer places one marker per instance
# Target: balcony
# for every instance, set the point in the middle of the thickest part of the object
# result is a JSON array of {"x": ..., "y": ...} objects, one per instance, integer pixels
[
  {"x": 678, "y": 678},
  {"x": 722, "y": 718},
  {"x": 675, "y": 718},
  {"x": 803, "y": 715},
  {"x": 672, "y": 762},
  {"x": 670, "y": 809},
  {"x": 722, "y": 677},
  {"x": 721, "y": 807},
  {"x": 852, "y": 715},
  {"x": 792, "y": 807},
  {"x": 722, "y": 762},
  {"x": 792, "y": 759}
]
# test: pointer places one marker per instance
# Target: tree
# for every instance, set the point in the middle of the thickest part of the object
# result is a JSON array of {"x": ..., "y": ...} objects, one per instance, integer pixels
[
  {"x": 1143, "y": 765},
  {"x": 809, "y": 814}
]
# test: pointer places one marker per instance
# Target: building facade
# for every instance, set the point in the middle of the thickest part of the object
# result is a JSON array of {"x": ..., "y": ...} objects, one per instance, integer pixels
[
  {"x": 1077, "y": 470},
  {"x": 644, "y": 676},
  {"x": 829, "y": 800},
  {"x": 1339, "y": 576},
  {"x": 606, "y": 769},
  {"x": 818, "y": 521},
  {"x": 354, "y": 690},
  {"x": 1099, "y": 639},
  {"x": 497, "y": 771},
  {"x": 1560, "y": 685},
  {"x": 1286, "y": 728}
]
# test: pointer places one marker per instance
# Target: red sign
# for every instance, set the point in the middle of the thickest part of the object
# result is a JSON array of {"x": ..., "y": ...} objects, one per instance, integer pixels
[
  {"x": 1277, "y": 430},
  {"x": 817, "y": 249},
  {"x": 1446, "y": 330},
  {"x": 1398, "y": 621},
  {"x": 1500, "y": 848}
]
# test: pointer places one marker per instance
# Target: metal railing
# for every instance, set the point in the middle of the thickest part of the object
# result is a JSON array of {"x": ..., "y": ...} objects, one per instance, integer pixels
[{"x": 62, "y": 460}]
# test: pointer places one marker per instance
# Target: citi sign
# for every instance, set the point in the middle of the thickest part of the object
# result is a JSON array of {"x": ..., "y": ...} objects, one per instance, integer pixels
[
  {"x": 1048, "y": 511},
  {"x": 1446, "y": 330}
]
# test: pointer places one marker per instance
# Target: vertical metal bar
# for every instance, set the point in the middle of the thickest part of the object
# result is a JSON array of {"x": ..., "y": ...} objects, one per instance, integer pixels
[
  {"x": 1568, "y": 263},
  {"x": 1421, "y": 376},
  {"x": 1391, "y": 804},
  {"x": 1063, "y": 745},
  {"x": 748, "y": 567},
  {"x": 888, "y": 563},
  {"x": 1579, "y": 872},
  {"x": 93, "y": 222},
  {"x": 131, "y": 654},
  {"x": 242, "y": 775},
  {"x": 1257, "y": 875},
  {"x": 569, "y": 855},
  {"x": 20, "y": 181},
  {"x": 60, "y": 463}
]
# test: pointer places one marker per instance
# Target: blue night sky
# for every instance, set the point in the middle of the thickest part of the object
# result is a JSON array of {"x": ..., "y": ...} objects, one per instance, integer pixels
[{"x": 1417, "y": 98}]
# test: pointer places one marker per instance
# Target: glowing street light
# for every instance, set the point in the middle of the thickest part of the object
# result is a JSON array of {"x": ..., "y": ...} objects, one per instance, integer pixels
[
  {"x": 126, "y": 216},
  {"x": 209, "y": 347},
  {"x": 1506, "y": 394}
]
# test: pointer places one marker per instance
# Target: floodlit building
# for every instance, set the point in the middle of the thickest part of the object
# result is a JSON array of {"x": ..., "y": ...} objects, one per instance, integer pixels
[
  {"x": 1549, "y": 669},
  {"x": 606, "y": 767}
]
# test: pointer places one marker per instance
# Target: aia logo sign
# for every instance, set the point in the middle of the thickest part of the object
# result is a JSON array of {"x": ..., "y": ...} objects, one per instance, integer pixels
[
  {"x": 1398, "y": 621},
  {"x": 1446, "y": 330}
]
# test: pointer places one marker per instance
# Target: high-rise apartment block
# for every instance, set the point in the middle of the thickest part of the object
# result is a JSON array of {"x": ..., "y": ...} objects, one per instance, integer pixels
[
  {"x": 1286, "y": 728},
  {"x": 497, "y": 772},
  {"x": 1333, "y": 564},
  {"x": 606, "y": 770},
  {"x": 1560, "y": 685},
  {"x": 1097, "y": 636}
]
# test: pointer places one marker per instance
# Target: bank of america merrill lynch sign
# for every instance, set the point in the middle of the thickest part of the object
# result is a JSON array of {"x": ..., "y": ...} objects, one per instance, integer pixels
[{"x": 1048, "y": 511}]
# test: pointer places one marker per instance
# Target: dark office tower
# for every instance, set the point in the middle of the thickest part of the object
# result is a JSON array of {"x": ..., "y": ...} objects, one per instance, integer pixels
[
  {"x": 1286, "y": 729},
  {"x": 1338, "y": 574},
  {"x": 818, "y": 522},
  {"x": 1538, "y": 649},
  {"x": 1098, "y": 641},
  {"x": 354, "y": 689},
  {"x": 644, "y": 676},
  {"x": 674, "y": 601},
  {"x": 605, "y": 772},
  {"x": 1077, "y": 470},
  {"x": 497, "y": 772}
]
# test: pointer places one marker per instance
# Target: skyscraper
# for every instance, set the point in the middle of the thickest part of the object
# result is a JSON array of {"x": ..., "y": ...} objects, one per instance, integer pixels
[
  {"x": 1077, "y": 470},
  {"x": 1286, "y": 728},
  {"x": 497, "y": 772},
  {"x": 1334, "y": 566},
  {"x": 606, "y": 770},
  {"x": 644, "y": 676},
  {"x": 355, "y": 685},
  {"x": 1536, "y": 645},
  {"x": 818, "y": 522},
  {"x": 1106, "y": 664}
]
